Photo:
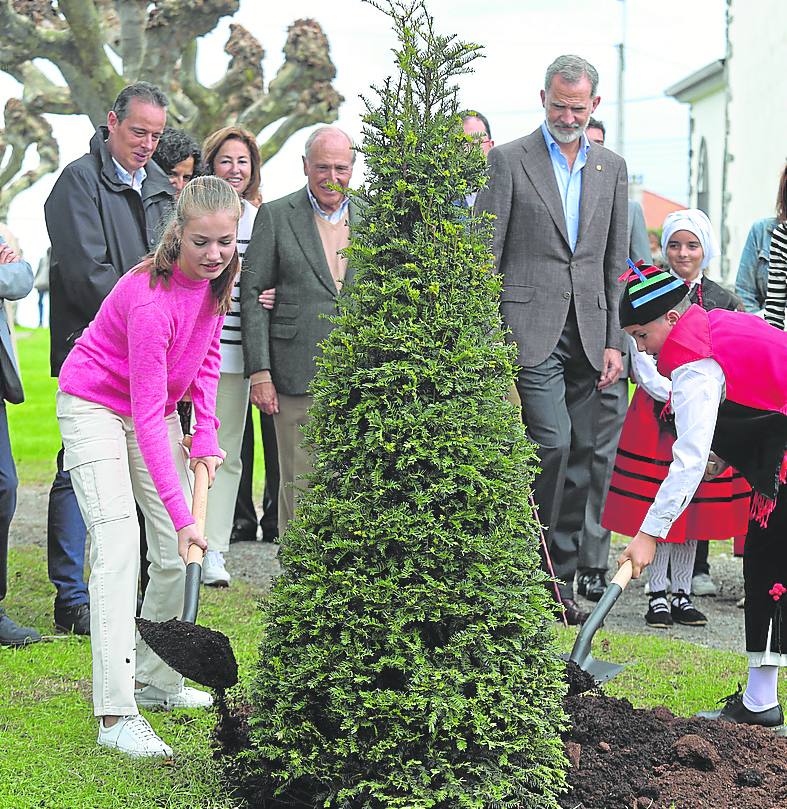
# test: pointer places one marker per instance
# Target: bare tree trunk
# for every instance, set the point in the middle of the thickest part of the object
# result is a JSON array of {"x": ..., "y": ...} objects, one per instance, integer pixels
[{"x": 157, "y": 42}]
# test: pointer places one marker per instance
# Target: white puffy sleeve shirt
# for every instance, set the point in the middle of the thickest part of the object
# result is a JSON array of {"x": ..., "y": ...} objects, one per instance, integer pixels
[{"x": 697, "y": 392}]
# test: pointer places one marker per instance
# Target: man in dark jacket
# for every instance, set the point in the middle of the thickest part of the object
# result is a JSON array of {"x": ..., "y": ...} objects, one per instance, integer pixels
[{"x": 106, "y": 211}]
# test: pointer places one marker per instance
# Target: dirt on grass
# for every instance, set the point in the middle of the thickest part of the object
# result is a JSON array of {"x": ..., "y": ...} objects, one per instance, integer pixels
[
  {"x": 620, "y": 758},
  {"x": 627, "y": 758}
]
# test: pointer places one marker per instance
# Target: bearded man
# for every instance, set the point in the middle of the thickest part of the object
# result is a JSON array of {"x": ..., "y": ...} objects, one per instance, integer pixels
[{"x": 560, "y": 242}]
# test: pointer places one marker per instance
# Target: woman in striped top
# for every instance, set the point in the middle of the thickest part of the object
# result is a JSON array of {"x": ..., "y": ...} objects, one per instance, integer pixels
[
  {"x": 232, "y": 154},
  {"x": 776, "y": 300}
]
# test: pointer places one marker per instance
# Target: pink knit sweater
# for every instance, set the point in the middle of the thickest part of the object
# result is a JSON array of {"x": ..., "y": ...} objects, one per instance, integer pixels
[{"x": 144, "y": 350}]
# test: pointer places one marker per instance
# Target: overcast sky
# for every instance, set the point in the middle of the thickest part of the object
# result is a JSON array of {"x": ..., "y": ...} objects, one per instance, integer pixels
[{"x": 665, "y": 42}]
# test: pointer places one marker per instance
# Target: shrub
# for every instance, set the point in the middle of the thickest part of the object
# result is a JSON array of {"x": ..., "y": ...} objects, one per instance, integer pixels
[{"x": 407, "y": 657}]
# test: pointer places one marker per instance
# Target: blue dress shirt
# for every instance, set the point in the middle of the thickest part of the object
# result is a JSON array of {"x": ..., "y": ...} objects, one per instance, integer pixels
[
  {"x": 135, "y": 180},
  {"x": 569, "y": 181}
]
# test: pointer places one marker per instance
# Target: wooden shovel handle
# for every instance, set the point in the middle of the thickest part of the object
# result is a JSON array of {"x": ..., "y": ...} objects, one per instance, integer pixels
[
  {"x": 623, "y": 576},
  {"x": 199, "y": 509}
]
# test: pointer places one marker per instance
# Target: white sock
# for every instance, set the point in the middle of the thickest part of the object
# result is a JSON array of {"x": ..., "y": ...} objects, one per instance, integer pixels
[{"x": 761, "y": 689}]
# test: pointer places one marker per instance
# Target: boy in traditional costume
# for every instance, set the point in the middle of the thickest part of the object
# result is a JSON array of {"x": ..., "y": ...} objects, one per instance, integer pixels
[{"x": 729, "y": 396}]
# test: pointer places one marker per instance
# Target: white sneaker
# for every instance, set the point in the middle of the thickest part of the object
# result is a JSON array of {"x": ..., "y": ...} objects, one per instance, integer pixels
[
  {"x": 133, "y": 736},
  {"x": 703, "y": 585},
  {"x": 151, "y": 697},
  {"x": 214, "y": 574}
]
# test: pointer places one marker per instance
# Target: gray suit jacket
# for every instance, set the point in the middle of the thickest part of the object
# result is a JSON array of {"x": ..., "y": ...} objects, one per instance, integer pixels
[
  {"x": 16, "y": 280},
  {"x": 285, "y": 252},
  {"x": 540, "y": 273}
]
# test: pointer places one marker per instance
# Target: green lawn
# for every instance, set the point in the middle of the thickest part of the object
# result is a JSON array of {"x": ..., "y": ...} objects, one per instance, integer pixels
[
  {"x": 48, "y": 752},
  {"x": 50, "y": 759},
  {"x": 34, "y": 435},
  {"x": 35, "y": 438}
]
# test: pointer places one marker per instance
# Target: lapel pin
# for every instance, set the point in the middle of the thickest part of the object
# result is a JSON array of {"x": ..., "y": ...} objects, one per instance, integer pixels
[{"x": 598, "y": 166}]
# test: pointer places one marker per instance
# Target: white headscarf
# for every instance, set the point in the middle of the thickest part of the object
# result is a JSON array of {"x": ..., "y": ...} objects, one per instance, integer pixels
[{"x": 695, "y": 221}]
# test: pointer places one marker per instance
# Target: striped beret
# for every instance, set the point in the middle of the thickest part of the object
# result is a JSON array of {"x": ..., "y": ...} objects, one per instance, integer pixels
[{"x": 649, "y": 293}]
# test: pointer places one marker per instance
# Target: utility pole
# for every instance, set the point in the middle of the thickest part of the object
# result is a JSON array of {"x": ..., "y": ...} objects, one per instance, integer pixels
[{"x": 621, "y": 83}]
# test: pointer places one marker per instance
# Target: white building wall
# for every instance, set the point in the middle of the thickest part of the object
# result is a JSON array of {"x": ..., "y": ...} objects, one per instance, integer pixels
[
  {"x": 757, "y": 118},
  {"x": 707, "y": 121}
]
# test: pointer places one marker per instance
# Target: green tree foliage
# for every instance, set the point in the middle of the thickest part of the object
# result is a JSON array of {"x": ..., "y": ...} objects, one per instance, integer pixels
[{"x": 407, "y": 657}]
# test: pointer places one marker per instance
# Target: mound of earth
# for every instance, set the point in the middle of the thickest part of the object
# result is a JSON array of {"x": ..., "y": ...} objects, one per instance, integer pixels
[{"x": 620, "y": 757}]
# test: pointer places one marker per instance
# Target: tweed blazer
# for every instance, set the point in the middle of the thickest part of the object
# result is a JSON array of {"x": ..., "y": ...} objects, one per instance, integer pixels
[
  {"x": 541, "y": 274},
  {"x": 286, "y": 252}
]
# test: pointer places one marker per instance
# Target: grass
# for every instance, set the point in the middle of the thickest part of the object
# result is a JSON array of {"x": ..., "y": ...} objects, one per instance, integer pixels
[
  {"x": 35, "y": 438},
  {"x": 47, "y": 733}
]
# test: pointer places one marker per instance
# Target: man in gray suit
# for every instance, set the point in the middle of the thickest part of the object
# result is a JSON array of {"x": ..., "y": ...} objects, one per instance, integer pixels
[
  {"x": 560, "y": 244},
  {"x": 595, "y": 540},
  {"x": 294, "y": 248}
]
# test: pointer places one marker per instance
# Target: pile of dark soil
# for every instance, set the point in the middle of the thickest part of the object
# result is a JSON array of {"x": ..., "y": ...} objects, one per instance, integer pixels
[
  {"x": 620, "y": 758},
  {"x": 627, "y": 758},
  {"x": 197, "y": 652}
]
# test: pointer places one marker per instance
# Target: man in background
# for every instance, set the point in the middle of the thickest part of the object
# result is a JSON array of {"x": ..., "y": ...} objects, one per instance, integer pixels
[
  {"x": 477, "y": 127},
  {"x": 295, "y": 247},
  {"x": 105, "y": 212},
  {"x": 559, "y": 243}
]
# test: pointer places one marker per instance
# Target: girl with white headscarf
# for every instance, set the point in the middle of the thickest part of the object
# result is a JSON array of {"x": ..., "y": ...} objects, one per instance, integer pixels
[{"x": 719, "y": 508}]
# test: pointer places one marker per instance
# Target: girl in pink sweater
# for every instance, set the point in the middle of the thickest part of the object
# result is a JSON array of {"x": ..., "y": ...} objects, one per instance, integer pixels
[{"x": 155, "y": 338}]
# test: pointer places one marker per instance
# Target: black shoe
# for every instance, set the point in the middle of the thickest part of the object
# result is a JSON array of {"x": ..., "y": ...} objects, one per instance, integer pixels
[
  {"x": 658, "y": 615},
  {"x": 243, "y": 532},
  {"x": 735, "y": 711},
  {"x": 574, "y": 614},
  {"x": 591, "y": 584},
  {"x": 684, "y": 612},
  {"x": 11, "y": 634},
  {"x": 270, "y": 535},
  {"x": 73, "y": 619}
]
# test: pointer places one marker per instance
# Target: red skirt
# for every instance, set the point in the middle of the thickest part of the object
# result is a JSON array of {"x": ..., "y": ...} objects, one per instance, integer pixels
[{"x": 719, "y": 508}]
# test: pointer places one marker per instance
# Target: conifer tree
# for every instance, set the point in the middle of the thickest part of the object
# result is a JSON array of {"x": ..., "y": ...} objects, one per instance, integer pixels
[{"x": 408, "y": 652}]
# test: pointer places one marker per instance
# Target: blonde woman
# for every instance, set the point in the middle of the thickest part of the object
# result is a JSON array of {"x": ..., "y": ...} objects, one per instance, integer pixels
[{"x": 155, "y": 337}]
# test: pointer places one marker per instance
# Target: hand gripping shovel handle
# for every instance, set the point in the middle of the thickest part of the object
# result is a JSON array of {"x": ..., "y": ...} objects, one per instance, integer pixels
[
  {"x": 199, "y": 506},
  {"x": 581, "y": 651}
]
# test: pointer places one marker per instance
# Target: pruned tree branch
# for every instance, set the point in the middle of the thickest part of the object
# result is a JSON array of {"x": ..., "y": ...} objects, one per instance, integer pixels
[
  {"x": 156, "y": 40},
  {"x": 88, "y": 37},
  {"x": 307, "y": 65},
  {"x": 28, "y": 33},
  {"x": 172, "y": 25},
  {"x": 132, "y": 15},
  {"x": 23, "y": 128},
  {"x": 206, "y": 103}
]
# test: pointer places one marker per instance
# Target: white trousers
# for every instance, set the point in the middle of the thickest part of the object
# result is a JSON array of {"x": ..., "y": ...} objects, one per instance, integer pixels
[
  {"x": 232, "y": 399},
  {"x": 108, "y": 475}
]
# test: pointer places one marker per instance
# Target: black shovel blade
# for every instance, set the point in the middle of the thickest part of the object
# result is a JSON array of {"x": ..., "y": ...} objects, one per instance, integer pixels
[
  {"x": 197, "y": 652},
  {"x": 599, "y": 670},
  {"x": 580, "y": 654}
]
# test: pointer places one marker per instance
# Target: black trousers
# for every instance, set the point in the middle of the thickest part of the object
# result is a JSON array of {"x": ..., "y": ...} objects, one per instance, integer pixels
[
  {"x": 245, "y": 519},
  {"x": 559, "y": 406},
  {"x": 8, "y": 485},
  {"x": 765, "y": 564}
]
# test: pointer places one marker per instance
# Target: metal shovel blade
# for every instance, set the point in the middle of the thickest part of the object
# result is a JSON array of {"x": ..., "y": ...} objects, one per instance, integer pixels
[
  {"x": 197, "y": 652},
  {"x": 601, "y": 671}
]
